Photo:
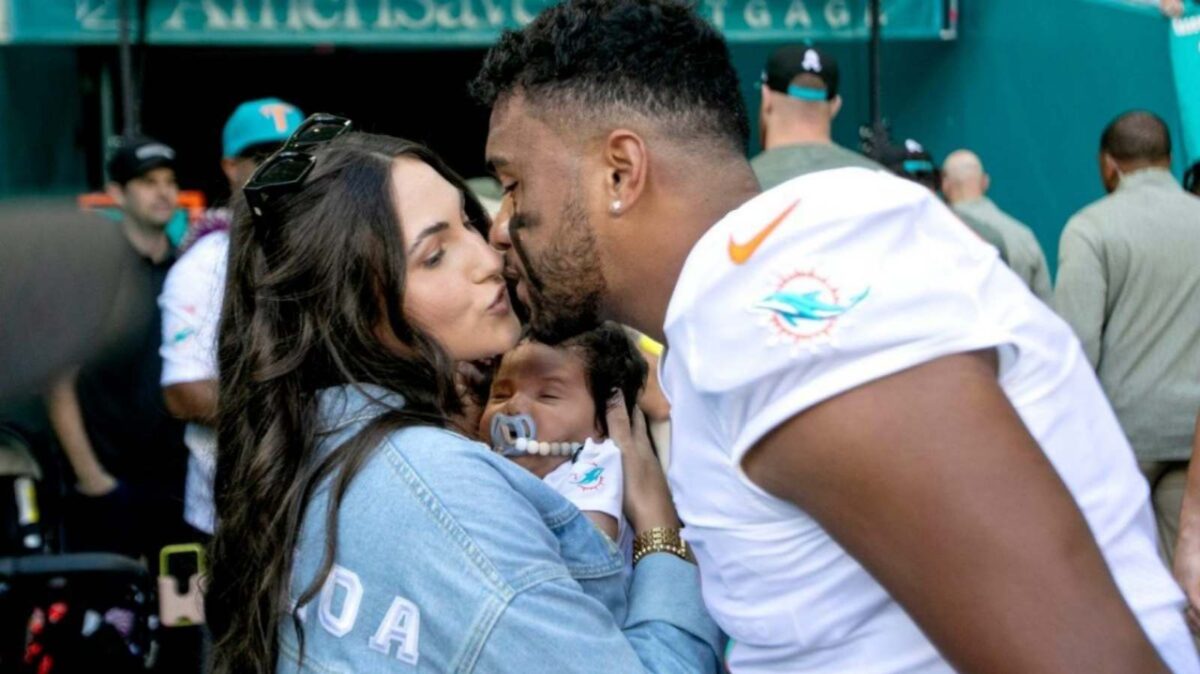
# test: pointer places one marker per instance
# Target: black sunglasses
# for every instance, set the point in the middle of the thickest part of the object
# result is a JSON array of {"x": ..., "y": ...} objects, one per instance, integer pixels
[{"x": 286, "y": 169}]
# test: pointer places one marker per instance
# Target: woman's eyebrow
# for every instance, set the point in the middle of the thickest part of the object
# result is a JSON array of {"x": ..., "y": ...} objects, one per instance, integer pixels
[{"x": 426, "y": 233}]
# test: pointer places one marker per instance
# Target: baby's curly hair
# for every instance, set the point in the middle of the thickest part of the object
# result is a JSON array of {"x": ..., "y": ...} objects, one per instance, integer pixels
[{"x": 611, "y": 363}]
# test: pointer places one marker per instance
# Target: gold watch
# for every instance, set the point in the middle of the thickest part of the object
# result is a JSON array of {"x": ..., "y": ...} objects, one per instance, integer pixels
[{"x": 661, "y": 539}]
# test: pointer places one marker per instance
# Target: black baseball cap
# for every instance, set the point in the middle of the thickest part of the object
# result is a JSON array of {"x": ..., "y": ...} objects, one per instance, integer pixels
[
  {"x": 788, "y": 63},
  {"x": 138, "y": 156},
  {"x": 909, "y": 159}
]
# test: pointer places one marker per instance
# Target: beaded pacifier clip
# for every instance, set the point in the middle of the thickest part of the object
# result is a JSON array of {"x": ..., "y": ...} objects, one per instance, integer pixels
[{"x": 516, "y": 435}]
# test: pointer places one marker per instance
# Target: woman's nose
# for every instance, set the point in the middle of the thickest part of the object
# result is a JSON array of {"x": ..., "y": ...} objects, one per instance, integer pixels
[{"x": 490, "y": 264}]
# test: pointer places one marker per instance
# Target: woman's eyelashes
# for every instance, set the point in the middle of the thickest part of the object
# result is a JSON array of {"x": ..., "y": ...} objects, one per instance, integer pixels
[
  {"x": 445, "y": 239},
  {"x": 432, "y": 260}
]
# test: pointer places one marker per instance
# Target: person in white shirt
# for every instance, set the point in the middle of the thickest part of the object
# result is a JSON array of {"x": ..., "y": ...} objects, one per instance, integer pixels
[
  {"x": 889, "y": 456},
  {"x": 191, "y": 301}
]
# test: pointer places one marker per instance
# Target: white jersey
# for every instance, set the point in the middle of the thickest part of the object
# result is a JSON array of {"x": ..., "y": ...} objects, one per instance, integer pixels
[
  {"x": 191, "y": 309},
  {"x": 818, "y": 286},
  {"x": 595, "y": 482}
]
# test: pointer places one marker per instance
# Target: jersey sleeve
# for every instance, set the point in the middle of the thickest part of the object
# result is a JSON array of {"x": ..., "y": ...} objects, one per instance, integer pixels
[
  {"x": 834, "y": 301},
  {"x": 191, "y": 309}
]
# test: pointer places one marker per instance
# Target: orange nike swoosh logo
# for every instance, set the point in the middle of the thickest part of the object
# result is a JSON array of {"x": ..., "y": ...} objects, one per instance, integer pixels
[{"x": 741, "y": 252}]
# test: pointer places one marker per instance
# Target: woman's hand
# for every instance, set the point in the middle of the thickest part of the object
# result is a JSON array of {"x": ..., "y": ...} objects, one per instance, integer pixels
[{"x": 647, "y": 498}]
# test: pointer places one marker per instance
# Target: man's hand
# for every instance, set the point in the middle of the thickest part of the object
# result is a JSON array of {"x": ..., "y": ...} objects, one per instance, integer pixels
[
  {"x": 1171, "y": 8},
  {"x": 99, "y": 484},
  {"x": 62, "y": 406},
  {"x": 931, "y": 481}
]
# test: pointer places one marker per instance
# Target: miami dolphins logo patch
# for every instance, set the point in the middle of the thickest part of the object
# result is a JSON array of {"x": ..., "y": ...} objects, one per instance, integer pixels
[
  {"x": 588, "y": 477},
  {"x": 804, "y": 308}
]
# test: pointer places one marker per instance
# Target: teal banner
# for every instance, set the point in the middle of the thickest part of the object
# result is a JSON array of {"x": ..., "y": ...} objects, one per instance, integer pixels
[
  {"x": 1144, "y": 7},
  {"x": 1185, "y": 61},
  {"x": 442, "y": 23},
  {"x": 5, "y": 14}
]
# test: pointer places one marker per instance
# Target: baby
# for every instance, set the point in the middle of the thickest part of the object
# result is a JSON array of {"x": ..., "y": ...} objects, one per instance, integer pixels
[{"x": 547, "y": 411}]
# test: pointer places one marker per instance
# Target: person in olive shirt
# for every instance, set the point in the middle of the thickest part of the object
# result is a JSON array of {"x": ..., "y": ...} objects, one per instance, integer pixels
[
  {"x": 799, "y": 101},
  {"x": 1129, "y": 284},
  {"x": 965, "y": 185}
]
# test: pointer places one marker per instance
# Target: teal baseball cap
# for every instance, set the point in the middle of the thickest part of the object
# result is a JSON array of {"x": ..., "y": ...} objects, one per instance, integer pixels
[{"x": 265, "y": 120}]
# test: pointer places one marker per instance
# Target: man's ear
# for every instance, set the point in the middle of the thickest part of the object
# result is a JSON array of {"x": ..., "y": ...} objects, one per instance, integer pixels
[
  {"x": 835, "y": 106},
  {"x": 766, "y": 100},
  {"x": 115, "y": 192},
  {"x": 1110, "y": 171},
  {"x": 626, "y": 167}
]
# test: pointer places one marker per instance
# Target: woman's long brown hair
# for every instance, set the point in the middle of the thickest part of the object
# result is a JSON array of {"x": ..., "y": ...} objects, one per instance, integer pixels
[{"x": 308, "y": 290}]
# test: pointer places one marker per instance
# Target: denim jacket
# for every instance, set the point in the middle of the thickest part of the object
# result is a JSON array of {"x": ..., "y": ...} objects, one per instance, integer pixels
[{"x": 450, "y": 558}]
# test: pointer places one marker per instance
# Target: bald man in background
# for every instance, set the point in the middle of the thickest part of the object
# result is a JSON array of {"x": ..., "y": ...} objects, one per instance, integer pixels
[{"x": 965, "y": 185}]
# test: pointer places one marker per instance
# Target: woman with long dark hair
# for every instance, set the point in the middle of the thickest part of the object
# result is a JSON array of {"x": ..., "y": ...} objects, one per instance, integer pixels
[{"x": 357, "y": 529}]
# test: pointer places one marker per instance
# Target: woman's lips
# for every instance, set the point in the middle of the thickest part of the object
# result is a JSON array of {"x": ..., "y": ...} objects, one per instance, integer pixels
[{"x": 500, "y": 306}]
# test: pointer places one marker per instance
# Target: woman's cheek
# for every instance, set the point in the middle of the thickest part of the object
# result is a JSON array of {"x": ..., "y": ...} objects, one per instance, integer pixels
[{"x": 430, "y": 309}]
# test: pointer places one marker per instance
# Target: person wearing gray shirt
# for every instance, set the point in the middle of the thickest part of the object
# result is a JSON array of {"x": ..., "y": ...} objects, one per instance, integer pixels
[
  {"x": 799, "y": 101},
  {"x": 965, "y": 185},
  {"x": 1129, "y": 284}
]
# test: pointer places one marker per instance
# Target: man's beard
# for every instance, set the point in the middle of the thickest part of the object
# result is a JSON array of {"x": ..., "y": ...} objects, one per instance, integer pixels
[{"x": 565, "y": 281}]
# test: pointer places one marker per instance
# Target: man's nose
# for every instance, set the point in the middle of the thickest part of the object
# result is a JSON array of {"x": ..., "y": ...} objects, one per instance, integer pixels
[{"x": 498, "y": 234}]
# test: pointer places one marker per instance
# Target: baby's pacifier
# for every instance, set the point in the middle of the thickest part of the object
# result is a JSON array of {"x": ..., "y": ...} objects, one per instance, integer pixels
[
  {"x": 511, "y": 433},
  {"x": 516, "y": 435}
]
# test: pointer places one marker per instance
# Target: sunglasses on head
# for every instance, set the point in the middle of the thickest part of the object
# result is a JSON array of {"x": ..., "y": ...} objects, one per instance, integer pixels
[{"x": 285, "y": 170}]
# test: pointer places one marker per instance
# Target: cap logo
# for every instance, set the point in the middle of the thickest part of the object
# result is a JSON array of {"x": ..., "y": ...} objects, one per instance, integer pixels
[
  {"x": 277, "y": 113},
  {"x": 913, "y": 146},
  {"x": 154, "y": 150},
  {"x": 812, "y": 61}
]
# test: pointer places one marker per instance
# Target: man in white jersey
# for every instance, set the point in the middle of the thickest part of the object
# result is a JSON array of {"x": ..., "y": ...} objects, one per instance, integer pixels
[
  {"x": 889, "y": 456},
  {"x": 191, "y": 302}
]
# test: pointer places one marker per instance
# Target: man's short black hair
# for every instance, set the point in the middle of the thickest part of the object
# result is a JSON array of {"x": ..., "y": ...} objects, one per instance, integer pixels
[
  {"x": 658, "y": 58},
  {"x": 611, "y": 363},
  {"x": 1137, "y": 136}
]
